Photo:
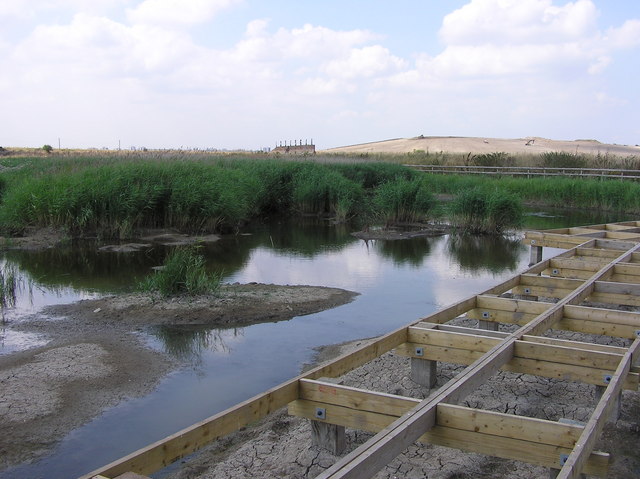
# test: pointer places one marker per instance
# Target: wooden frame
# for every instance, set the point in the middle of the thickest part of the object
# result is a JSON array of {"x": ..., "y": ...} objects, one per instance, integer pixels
[{"x": 602, "y": 263}]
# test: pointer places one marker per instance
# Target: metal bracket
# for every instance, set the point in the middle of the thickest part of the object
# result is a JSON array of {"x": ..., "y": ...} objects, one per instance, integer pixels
[
  {"x": 607, "y": 378},
  {"x": 563, "y": 459},
  {"x": 321, "y": 413},
  {"x": 419, "y": 351}
]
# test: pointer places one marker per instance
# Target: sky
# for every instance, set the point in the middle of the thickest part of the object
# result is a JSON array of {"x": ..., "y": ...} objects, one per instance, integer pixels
[{"x": 248, "y": 74}]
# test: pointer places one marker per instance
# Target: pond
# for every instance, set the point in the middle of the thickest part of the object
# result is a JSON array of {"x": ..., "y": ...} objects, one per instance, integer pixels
[{"x": 398, "y": 282}]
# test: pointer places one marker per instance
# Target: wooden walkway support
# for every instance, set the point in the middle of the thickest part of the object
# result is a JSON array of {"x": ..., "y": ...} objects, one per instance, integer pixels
[{"x": 579, "y": 290}]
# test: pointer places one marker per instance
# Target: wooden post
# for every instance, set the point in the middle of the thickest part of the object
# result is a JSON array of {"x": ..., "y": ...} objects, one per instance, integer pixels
[
  {"x": 553, "y": 473},
  {"x": 535, "y": 255},
  {"x": 424, "y": 372},
  {"x": 615, "y": 412},
  {"x": 328, "y": 436},
  {"x": 487, "y": 325}
]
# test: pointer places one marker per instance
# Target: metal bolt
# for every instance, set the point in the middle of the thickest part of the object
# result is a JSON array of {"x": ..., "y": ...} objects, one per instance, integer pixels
[
  {"x": 419, "y": 351},
  {"x": 321, "y": 413},
  {"x": 527, "y": 290},
  {"x": 607, "y": 378},
  {"x": 555, "y": 271},
  {"x": 485, "y": 314},
  {"x": 533, "y": 241},
  {"x": 638, "y": 333},
  {"x": 563, "y": 459}
]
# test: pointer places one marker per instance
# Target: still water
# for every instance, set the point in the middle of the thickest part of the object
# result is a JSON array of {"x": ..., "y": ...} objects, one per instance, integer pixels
[{"x": 397, "y": 282}]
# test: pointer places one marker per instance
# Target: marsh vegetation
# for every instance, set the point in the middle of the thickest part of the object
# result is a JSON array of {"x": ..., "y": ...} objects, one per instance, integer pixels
[{"x": 112, "y": 196}]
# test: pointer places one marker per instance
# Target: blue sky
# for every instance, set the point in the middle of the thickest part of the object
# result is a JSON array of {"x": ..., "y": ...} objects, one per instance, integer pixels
[{"x": 248, "y": 73}]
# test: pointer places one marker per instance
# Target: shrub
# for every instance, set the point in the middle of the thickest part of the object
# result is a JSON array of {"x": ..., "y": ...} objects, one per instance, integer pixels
[
  {"x": 562, "y": 159},
  {"x": 492, "y": 159},
  {"x": 183, "y": 273},
  {"x": 47, "y": 148}
]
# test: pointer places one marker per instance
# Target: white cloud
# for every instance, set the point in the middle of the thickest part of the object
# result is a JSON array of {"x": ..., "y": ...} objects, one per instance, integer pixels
[
  {"x": 518, "y": 21},
  {"x": 365, "y": 62},
  {"x": 627, "y": 36},
  {"x": 32, "y": 8},
  {"x": 177, "y": 12}
]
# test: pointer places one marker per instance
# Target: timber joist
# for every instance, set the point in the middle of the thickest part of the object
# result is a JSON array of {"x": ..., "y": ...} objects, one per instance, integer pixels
[{"x": 579, "y": 290}]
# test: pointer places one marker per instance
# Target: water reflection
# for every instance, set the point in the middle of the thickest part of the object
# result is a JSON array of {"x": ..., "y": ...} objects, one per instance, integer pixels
[
  {"x": 412, "y": 252},
  {"x": 485, "y": 253},
  {"x": 551, "y": 218},
  {"x": 188, "y": 342},
  {"x": 307, "y": 238},
  {"x": 81, "y": 266}
]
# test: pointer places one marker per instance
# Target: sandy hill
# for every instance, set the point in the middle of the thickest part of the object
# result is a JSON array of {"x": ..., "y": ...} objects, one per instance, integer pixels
[{"x": 457, "y": 144}]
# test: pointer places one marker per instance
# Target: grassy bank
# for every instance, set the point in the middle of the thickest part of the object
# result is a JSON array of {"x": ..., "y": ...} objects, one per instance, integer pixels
[
  {"x": 604, "y": 195},
  {"x": 111, "y": 196}
]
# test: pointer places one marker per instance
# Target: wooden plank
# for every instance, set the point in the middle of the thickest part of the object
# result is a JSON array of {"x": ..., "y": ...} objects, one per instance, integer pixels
[
  {"x": 628, "y": 289},
  {"x": 615, "y": 244},
  {"x": 591, "y": 264},
  {"x": 162, "y": 453},
  {"x": 511, "y": 304},
  {"x": 576, "y": 463},
  {"x": 465, "y": 439},
  {"x": 533, "y": 366},
  {"x": 602, "y": 315},
  {"x": 552, "y": 240},
  {"x": 550, "y": 282},
  {"x": 629, "y": 269},
  {"x": 615, "y": 299},
  {"x": 449, "y": 415},
  {"x": 597, "y": 253},
  {"x": 568, "y": 273}
]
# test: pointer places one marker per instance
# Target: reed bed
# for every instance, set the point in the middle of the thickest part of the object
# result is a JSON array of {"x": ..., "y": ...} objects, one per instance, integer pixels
[{"x": 111, "y": 197}]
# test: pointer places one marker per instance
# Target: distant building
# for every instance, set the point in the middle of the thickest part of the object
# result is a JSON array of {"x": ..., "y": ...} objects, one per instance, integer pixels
[{"x": 295, "y": 147}]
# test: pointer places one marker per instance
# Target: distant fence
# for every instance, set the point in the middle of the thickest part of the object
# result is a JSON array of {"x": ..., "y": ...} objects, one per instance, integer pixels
[{"x": 530, "y": 172}]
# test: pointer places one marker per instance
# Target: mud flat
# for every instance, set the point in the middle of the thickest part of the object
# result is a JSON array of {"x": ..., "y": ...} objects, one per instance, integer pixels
[{"x": 96, "y": 356}]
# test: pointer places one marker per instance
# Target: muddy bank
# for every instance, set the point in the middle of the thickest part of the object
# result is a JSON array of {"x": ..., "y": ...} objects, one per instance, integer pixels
[
  {"x": 232, "y": 305},
  {"x": 47, "y": 392},
  {"x": 280, "y": 445},
  {"x": 96, "y": 356}
]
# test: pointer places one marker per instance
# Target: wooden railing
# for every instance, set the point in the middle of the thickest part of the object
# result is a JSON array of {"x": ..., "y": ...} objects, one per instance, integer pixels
[{"x": 530, "y": 171}]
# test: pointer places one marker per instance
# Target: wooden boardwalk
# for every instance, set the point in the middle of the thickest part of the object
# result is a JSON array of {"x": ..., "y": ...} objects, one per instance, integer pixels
[
  {"x": 578, "y": 290},
  {"x": 531, "y": 171}
]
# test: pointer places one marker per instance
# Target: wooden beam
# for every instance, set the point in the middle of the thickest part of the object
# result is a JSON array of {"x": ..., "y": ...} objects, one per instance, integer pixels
[
  {"x": 576, "y": 463},
  {"x": 552, "y": 240},
  {"x": 514, "y": 437}
]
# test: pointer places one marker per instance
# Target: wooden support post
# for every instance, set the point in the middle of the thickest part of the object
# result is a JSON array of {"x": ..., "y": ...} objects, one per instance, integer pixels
[
  {"x": 535, "y": 255},
  {"x": 615, "y": 411},
  {"x": 424, "y": 372},
  {"x": 488, "y": 325},
  {"x": 553, "y": 473},
  {"x": 328, "y": 436}
]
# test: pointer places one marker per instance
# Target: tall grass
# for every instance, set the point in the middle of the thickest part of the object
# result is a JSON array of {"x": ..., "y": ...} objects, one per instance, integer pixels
[
  {"x": 604, "y": 195},
  {"x": 8, "y": 287},
  {"x": 401, "y": 201},
  {"x": 183, "y": 273},
  {"x": 113, "y": 198},
  {"x": 481, "y": 211}
]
